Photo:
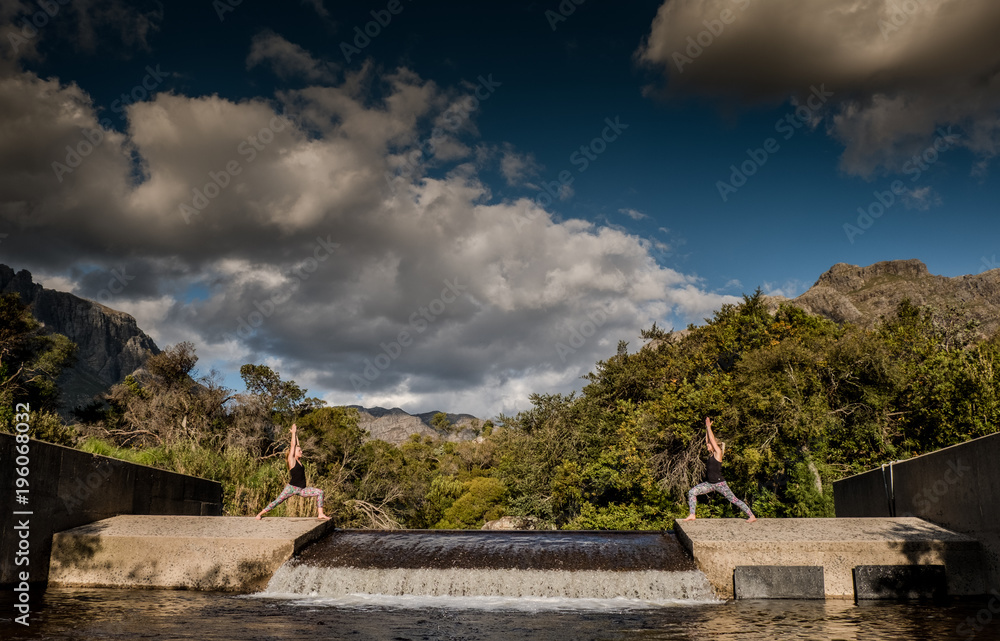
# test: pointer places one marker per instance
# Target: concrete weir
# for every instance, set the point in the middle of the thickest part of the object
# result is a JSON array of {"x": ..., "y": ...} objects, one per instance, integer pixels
[
  {"x": 837, "y": 545},
  {"x": 226, "y": 553}
]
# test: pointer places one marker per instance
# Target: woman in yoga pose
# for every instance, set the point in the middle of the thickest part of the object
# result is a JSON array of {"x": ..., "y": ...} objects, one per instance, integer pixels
[
  {"x": 713, "y": 477},
  {"x": 297, "y": 480}
]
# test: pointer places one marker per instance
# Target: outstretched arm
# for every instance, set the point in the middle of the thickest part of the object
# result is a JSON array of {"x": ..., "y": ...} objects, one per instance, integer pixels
[
  {"x": 291, "y": 449},
  {"x": 713, "y": 445}
]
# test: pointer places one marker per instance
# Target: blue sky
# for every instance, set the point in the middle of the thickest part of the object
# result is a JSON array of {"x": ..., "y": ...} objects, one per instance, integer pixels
[{"x": 384, "y": 183}]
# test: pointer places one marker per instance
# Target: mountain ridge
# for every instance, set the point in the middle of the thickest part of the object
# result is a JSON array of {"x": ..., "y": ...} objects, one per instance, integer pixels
[
  {"x": 110, "y": 343},
  {"x": 862, "y": 295},
  {"x": 396, "y": 425}
]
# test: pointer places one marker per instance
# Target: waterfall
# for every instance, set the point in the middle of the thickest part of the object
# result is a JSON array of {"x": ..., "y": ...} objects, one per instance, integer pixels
[{"x": 636, "y": 566}]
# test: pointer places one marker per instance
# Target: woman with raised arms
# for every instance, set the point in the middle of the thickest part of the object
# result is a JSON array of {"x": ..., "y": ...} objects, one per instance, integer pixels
[{"x": 296, "y": 481}]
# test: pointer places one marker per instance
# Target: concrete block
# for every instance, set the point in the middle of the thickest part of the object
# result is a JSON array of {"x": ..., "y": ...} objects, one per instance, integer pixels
[
  {"x": 235, "y": 554},
  {"x": 900, "y": 582},
  {"x": 778, "y": 582},
  {"x": 718, "y": 546}
]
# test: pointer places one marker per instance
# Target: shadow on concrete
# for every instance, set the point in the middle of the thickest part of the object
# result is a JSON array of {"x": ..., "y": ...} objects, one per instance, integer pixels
[
  {"x": 922, "y": 577},
  {"x": 77, "y": 549}
]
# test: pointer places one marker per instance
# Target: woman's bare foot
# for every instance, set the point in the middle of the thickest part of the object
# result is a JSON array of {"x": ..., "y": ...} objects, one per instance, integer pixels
[
  {"x": 690, "y": 517},
  {"x": 323, "y": 517},
  {"x": 751, "y": 519},
  {"x": 258, "y": 516}
]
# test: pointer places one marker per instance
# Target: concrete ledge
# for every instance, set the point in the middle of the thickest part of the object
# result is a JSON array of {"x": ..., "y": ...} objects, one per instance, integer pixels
[
  {"x": 778, "y": 582},
  {"x": 70, "y": 488},
  {"x": 900, "y": 582},
  {"x": 227, "y": 553},
  {"x": 718, "y": 546}
]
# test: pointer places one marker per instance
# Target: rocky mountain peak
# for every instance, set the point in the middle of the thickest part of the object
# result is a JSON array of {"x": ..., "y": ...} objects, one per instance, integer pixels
[
  {"x": 110, "y": 343},
  {"x": 848, "y": 278},
  {"x": 863, "y": 295}
]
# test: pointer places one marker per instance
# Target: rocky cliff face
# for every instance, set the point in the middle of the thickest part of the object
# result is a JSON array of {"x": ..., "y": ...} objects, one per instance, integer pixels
[
  {"x": 395, "y": 426},
  {"x": 862, "y": 295},
  {"x": 111, "y": 345}
]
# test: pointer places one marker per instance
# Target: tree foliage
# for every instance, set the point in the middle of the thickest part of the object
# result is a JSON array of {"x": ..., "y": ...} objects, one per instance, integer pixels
[
  {"x": 31, "y": 361},
  {"x": 799, "y": 401}
]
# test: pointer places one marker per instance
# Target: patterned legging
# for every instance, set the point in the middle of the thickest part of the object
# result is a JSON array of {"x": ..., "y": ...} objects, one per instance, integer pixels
[
  {"x": 301, "y": 491},
  {"x": 722, "y": 488}
]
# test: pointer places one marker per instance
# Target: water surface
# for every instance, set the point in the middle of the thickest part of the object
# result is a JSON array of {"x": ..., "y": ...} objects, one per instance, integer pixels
[{"x": 96, "y": 614}]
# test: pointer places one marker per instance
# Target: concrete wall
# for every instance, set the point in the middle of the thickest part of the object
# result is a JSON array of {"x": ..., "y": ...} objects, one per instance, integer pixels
[
  {"x": 957, "y": 488},
  {"x": 69, "y": 488}
]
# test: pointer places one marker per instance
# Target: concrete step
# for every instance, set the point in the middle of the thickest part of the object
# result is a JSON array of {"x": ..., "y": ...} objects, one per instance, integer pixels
[
  {"x": 227, "y": 553},
  {"x": 838, "y": 545}
]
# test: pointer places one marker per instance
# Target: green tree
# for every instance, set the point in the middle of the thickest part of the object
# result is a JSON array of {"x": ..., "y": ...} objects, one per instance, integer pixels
[
  {"x": 30, "y": 363},
  {"x": 282, "y": 398},
  {"x": 481, "y": 501},
  {"x": 441, "y": 423}
]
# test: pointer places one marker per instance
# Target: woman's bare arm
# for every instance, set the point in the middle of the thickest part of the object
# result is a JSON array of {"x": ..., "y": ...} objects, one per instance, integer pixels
[
  {"x": 290, "y": 459},
  {"x": 713, "y": 445}
]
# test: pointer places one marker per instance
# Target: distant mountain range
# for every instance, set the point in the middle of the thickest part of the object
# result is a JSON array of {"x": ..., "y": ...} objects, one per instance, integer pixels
[{"x": 396, "y": 426}]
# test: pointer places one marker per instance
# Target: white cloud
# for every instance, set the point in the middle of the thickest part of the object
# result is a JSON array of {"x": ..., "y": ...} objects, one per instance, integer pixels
[
  {"x": 788, "y": 289},
  {"x": 921, "y": 199},
  {"x": 288, "y": 60},
  {"x": 633, "y": 214},
  {"x": 303, "y": 254},
  {"x": 516, "y": 167},
  {"x": 318, "y": 7}
]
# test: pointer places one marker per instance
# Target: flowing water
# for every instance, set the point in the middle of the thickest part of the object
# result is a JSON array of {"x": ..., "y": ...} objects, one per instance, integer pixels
[
  {"x": 642, "y": 566},
  {"x": 490, "y": 587}
]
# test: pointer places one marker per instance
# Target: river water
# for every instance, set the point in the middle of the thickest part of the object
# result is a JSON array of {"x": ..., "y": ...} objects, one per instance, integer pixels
[{"x": 99, "y": 614}]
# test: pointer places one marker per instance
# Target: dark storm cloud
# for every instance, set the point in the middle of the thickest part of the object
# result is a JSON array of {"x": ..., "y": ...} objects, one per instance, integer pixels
[{"x": 898, "y": 70}]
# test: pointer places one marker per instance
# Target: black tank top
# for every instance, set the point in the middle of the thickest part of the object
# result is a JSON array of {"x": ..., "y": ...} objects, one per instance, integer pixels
[
  {"x": 713, "y": 470},
  {"x": 298, "y": 475}
]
